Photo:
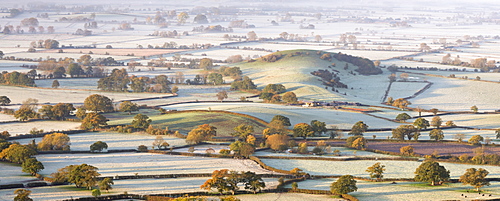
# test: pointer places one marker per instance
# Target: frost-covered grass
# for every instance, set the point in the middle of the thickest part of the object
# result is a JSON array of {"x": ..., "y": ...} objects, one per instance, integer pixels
[
  {"x": 145, "y": 163},
  {"x": 223, "y": 54},
  {"x": 341, "y": 119},
  {"x": 12, "y": 173},
  {"x": 118, "y": 52},
  {"x": 495, "y": 77},
  {"x": 449, "y": 134},
  {"x": 17, "y": 128},
  {"x": 286, "y": 196},
  {"x": 67, "y": 96},
  {"x": 6, "y": 117},
  {"x": 374, "y": 55},
  {"x": 475, "y": 120},
  {"x": 115, "y": 141},
  {"x": 293, "y": 73},
  {"x": 394, "y": 169},
  {"x": 344, "y": 153},
  {"x": 36, "y": 55},
  {"x": 466, "y": 56},
  {"x": 454, "y": 94},
  {"x": 446, "y": 94},
  {"x": 392, "y": 114},
  {"x": 414, "y": 64},
  {"x": 186, "y": 121},
  {"x": 131, "y": 186},
  {"x": 73, "y": 83},
  {"x": 404, "y": 89},
  {"x": 406, "y": 190},
  {"x": 202, "y": 149}
]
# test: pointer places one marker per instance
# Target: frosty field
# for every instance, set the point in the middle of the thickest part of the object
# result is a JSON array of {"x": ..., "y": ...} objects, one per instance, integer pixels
[
  {"x": 404, "y": 190},
  {"x": 184, "y": 122},
  {"x": 286, "y": 196},
  {"x": 12, "y": 173},
  {"x": 147, "y": 186},
  {"x": 266, "y": 112},
  {"x": 113, "y": 164},
  {"x": 404, "y": 34},
  {"x": 453, "y": 95},
  {"x": 17, "y": 128},
  {"x": 449, "y": 134},
  {"x": 68, "y": 96},
  {"x": 395, "y": 169},
  {"x": 115, "y": 141}
]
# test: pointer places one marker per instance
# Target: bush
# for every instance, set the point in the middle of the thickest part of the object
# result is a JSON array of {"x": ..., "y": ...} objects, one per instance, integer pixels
[
  {"x": 318, "y": 151},
  {"x": 224, "y": 152},
  {"x": 142, "y": 148}
]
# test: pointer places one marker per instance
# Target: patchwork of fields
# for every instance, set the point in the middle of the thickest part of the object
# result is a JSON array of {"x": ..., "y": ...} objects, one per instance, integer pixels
[{"x": 295, "y": 44}]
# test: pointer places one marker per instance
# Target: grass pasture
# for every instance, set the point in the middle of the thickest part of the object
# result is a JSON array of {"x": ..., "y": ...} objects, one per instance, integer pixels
[
  {"x": 131, "y": 186},
  {"x": 285, "y": 197},
  {"x": 16, "y": 128},
  {"x": 426, "y": 148},
  {"x": 394, "y": 169},
  {"x": 118, "y": 51},
  {"x": 112, "y": 164},
  {"x": 12, "y": 173},
  {"x": 340, "y": 118},
  {"x": 406, "y": 190},
  {"x": 377, "y": 30},
  {"x": 449, "y": 134},
  {"x": 455, "y": 94},
  {"x": 294, "y": 73},
  {"x": 186, "y": 121},
  {"x": 115, "y": 141},
  {"x": 75, "y": 96}
]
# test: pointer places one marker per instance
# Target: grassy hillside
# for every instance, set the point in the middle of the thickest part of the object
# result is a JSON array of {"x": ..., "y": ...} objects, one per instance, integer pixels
[
  {"x": 293, "y": 68},
  {"x": 185, "y": 121}
]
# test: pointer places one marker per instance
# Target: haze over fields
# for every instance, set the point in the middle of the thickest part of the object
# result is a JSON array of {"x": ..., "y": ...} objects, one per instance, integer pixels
[{"x": 178, "y": 90}]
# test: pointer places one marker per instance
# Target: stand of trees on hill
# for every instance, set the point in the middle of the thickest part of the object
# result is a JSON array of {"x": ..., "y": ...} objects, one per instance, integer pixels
[{"x": 365, "y": 66}]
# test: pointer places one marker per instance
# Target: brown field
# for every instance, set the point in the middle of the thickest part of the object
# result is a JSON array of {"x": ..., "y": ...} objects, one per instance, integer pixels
[{"x": 118, "y": 52}]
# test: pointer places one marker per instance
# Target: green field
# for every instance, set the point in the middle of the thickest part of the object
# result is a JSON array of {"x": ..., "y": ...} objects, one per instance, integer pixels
[{"x": 188, "y": 120}]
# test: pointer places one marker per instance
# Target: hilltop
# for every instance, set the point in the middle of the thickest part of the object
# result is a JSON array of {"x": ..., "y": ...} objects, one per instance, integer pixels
[{"x": 315, "y": 75}]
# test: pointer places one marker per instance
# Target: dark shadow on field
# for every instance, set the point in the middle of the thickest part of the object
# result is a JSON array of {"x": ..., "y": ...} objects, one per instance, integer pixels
[
  {"x": 166, "y": 120},
  {"x": 294, "y": 88}
]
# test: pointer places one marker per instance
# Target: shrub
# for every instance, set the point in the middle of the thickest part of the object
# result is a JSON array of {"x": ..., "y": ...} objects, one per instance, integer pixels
[
  {"x": 406, "y": 150},
  {"x": 142, "y": 148}
]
